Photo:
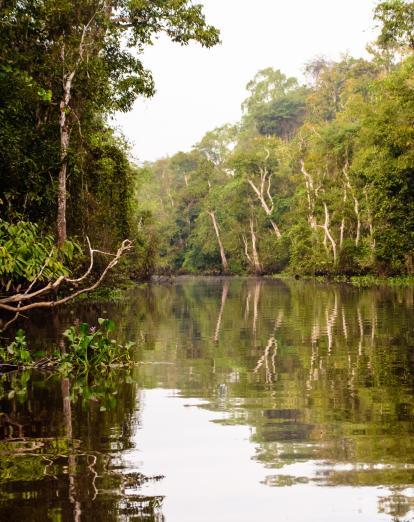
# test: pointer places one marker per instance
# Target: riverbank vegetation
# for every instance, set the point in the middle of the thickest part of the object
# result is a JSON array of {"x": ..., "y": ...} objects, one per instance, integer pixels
[
  {"x": 316, "y": 178},
  {"x": 66, "y": 180}
]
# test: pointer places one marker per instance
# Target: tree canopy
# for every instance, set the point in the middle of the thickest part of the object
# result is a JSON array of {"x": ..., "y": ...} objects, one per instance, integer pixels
[{"x": 316, "y": 178}]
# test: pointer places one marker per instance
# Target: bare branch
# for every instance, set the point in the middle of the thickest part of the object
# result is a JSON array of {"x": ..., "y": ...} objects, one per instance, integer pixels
[
  {"x": 246, "y": 249},
  {"x": 5, "y": 304},
  {"x": 39, "y": 275}
]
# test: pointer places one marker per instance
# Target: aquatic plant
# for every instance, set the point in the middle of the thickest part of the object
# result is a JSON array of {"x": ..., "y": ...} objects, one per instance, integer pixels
[
  {"x": 92, "y": 347},
  {"x": 86, "y": 348},
  {"x": 16, "y": 352}
]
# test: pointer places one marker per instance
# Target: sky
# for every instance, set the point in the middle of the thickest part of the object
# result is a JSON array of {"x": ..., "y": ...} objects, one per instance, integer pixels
[{"x": 201, "y": 89}]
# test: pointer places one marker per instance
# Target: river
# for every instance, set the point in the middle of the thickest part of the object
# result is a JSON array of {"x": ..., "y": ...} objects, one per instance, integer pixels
[{"x": 250, "y": 400}]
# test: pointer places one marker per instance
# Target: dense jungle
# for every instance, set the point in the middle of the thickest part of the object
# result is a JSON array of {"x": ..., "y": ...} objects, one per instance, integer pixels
[
  {"x": 270, "y": 390},
  {"x": 315, "y": 178}
]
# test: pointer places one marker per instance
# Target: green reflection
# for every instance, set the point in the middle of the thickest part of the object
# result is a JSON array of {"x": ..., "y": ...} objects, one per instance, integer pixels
[{"x": 323, "y": 374}]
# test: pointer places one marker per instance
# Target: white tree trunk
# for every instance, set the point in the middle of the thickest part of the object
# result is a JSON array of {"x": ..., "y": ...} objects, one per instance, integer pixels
[
  {"x": 310, "y": 194},
  {"x": 356, "y": 204},
  {"x": 256, "y": 262},
  {"x": 246, "y": 250},
  {"x": 328, "y": 234},
  {"x": 342, "y": 230},
  {"x": 358, "y": 232},
  {"x": 253, "y": 259},
  {"x": 262, "y": 198},
  {"x": 64, "y": 147},
  {"x": 370, "y": 222},
  {"x": 342, "y": 233},
  {"x": 222, "y": 251}
]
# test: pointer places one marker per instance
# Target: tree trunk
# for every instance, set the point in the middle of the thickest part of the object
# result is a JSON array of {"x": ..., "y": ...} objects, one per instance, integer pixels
[
  {"x": 61, "y": 216},
  {"x": 358, "y": 232},
  {"x": 64, "y": 147},
  {"x": 256, "y": 263},
  {"x": 328, "y": 234},
  {"x": 310, "y": 193},
  {"x": 222, "y": 252},
  {"x": 253, "y": 259},
  {"x": 67, "y": 80},
  {"x": 342, "y": 231},
  {"x": 246, "y": 250},
  {"x": 265, "y": 206},
  {"x": 370, "y": 222},
  {"x": 356, "y": 204}
]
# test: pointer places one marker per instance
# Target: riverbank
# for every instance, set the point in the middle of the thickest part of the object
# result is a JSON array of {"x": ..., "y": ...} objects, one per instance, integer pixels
[
  {"x": 359, "y": 281},
  {"x": 114, "y": 293}
]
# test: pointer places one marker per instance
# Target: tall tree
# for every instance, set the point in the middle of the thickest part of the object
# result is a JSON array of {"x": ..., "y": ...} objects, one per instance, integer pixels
[
  {"x": 396, "y": 19},
  {"x": 86, "y": 53}
]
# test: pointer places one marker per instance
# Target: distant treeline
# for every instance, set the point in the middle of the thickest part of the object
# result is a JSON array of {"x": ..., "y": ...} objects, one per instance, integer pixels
[{"x": 315, "y": 178}]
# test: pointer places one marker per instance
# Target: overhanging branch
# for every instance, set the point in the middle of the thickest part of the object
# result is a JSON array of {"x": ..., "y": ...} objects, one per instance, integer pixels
[{"x": 15, "y": 303}]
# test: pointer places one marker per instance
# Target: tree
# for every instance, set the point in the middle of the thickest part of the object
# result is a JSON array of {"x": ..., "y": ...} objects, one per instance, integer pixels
[
  {"x": 282, "y": 117},
  {"x": 257, "y": 162},
  {"x": 396, "y": 19},
  {"x": 267, "y": 85},
  {"x": 385, "y": 152},
  {"x": 84, "y": 53}
]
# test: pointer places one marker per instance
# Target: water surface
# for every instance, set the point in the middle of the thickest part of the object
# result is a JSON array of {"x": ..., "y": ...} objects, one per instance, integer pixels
[{"x": 250, "y": 400}]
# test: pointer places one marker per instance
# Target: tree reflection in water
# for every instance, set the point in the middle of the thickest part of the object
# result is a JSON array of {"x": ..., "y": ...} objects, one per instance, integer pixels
[
  {"x": 60, "y": 454},
  {"x": 323, "y": 374}
]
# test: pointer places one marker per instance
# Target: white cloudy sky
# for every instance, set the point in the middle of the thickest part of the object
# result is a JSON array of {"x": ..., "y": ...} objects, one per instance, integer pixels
[{"x": 199, "y": 89}]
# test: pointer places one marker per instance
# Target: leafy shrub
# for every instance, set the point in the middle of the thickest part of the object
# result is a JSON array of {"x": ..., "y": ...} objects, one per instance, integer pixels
[{"x": 25, "y": 255}]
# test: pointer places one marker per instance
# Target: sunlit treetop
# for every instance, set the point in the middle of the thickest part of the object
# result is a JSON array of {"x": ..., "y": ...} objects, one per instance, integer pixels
[
  {"x": 396, "y": 19},
  {"x": 102, "y": 39}
]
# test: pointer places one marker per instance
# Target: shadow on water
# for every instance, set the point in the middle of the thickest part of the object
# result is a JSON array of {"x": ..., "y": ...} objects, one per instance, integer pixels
[{"x": 321, "y": 375}]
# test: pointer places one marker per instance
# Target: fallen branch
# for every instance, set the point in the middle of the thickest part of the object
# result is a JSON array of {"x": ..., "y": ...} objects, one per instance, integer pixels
[{"x": 15, "y": 303}]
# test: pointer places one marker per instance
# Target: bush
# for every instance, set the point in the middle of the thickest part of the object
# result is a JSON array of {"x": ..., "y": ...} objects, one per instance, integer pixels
[{"x": 25, "y": 255}]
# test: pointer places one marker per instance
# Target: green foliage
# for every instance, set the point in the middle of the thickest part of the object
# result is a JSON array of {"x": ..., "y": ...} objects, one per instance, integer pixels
[
  {"x": 385, "y": 158},
  {"x": 26, "y": 255},
  {"x": 397, "y": 23},
  {"x": 267, "y": 85},
  {"x": 99, "y": 46},
  {"x": 16, "y": 352},
  {"x": 86, "y": 349}
]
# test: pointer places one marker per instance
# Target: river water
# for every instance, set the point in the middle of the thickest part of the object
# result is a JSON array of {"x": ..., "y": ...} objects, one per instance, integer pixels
[{"x": 250, "y": 400}]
